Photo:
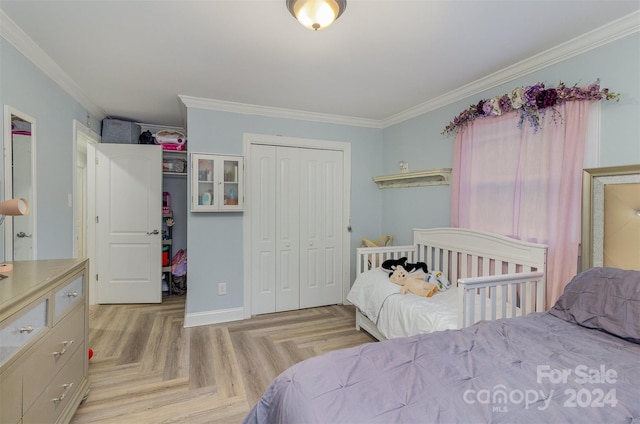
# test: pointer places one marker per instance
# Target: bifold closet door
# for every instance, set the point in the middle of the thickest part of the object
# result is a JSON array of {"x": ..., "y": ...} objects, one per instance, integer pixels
[
  {"x": 296, "y": 197},
  {"x": 275, "y": 257},
  {"x": 287, "y": 228},
  {"x": 320, "y": 227}
]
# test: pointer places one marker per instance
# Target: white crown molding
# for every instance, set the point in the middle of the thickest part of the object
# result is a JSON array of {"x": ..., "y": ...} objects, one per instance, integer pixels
[
  {"x": 15, "y": 36},
  {"x": 600, "y": 36},
  {"x": 610, "y": 32},
  {"x": 274, "y": 112},
  {"x": 591, "y": 40}
]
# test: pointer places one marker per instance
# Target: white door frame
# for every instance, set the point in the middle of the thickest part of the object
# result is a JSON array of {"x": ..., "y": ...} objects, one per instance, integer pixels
[
  {"x": 85, "y": 142},
  {"x": 272, "y": 140}
]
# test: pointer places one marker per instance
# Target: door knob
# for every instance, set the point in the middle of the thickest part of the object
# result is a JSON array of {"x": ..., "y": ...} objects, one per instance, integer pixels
[
  {"x": 153, "y": 232},
  {"x": 21, "y": 234}
]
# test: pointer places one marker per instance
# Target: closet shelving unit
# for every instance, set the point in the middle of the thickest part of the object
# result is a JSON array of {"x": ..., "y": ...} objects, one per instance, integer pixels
[{"x": 168, "y": 242}]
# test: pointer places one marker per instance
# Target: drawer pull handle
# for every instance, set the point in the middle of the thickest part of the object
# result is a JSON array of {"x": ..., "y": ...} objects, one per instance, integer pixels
[
  {"x": 72, "y": 294},
  {"x": 60, "y": 398},
  {"x": 65, "y": 346},
  {"x": 26, "y": 330}
]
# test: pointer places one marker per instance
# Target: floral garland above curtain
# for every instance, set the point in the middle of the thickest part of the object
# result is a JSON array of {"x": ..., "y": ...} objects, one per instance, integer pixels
[{"x": 531, "y": 102}]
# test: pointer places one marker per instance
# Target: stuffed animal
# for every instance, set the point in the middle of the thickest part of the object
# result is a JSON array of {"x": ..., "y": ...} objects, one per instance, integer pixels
[
  {"x": 390, "y": 265},
  {"x": 411, "y": 284},
  {"x": 414, "y": 267}
]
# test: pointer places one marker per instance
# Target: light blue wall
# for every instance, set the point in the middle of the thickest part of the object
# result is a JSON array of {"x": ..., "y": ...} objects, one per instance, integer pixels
[
  {"x": 419, "y": 140},
  {"x": 26, "y": 88},
  {"x": 214, "y": 240}
]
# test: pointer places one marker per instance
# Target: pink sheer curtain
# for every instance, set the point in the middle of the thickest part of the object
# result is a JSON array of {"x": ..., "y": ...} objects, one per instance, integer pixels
[{"x": 524, "y": 184}]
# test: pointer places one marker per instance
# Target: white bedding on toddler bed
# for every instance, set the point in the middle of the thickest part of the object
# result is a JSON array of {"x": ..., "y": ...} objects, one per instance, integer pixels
[{"x": 398, "y": 315}]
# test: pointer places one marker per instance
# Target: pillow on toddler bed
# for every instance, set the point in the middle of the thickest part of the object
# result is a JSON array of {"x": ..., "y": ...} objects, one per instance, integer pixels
[
  {"x": 379, "y": 242},
  {"x": 605, "y": 299}
]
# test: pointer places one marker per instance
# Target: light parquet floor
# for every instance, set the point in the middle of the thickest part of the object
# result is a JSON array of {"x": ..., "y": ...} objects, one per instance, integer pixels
[{"x": 148, "y": 368}]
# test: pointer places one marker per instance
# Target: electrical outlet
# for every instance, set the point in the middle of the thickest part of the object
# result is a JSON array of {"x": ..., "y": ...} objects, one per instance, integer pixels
[{"x": 222, "y": 289}]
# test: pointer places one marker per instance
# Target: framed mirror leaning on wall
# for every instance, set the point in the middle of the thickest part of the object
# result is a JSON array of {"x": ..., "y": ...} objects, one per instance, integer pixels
[
  {"x": 19, "y": 182},
  {"x": 611, "y": 217}
]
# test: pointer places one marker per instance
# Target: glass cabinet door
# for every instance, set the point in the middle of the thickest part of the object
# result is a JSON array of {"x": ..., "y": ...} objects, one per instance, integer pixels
[
  {"x": 216, "y": 183},
  {"x": 230, "y": 182},
  {"x": 205, "y": 193}
]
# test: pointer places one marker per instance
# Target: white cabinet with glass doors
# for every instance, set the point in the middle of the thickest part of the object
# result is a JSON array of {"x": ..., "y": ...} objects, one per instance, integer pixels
[{"x": 216, "y": 183}]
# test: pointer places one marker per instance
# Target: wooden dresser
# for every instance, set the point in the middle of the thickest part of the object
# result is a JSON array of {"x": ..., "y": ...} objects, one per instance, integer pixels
[{"x": 43, "y": 340}]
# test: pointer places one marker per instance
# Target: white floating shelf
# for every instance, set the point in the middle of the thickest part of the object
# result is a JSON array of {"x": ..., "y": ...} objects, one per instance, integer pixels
[{"x": 441, "y": 176}]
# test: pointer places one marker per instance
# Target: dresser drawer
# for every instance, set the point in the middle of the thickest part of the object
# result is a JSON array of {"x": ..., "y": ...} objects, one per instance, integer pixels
[
  {"x": 21, "y": 329},
  {"x": 57, "y": 395},
  {"x": 11, "y": 395},
  {"x": 53, "y": 353},
  {"x": 68, "y": 296}
]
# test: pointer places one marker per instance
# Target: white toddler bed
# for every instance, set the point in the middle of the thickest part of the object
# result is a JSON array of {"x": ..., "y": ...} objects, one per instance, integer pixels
[{"x": 496, "y": 276}]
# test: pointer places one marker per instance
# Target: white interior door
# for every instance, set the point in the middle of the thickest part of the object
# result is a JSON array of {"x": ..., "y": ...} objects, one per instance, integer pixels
[
  {"x": 129, "y": 219},
  {"x": 320, "y": 228}
]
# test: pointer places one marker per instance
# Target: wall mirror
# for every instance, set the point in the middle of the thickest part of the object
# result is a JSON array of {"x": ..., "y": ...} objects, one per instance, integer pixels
[
  {"x": 20, "y": 182},
  {"x": 611, "y": 217}
]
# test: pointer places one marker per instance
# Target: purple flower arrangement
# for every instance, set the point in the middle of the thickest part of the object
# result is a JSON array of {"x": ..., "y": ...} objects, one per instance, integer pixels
[{"x": 530, "y": 102}]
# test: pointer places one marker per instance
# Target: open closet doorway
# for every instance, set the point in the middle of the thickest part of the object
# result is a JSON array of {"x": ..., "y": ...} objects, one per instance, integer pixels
[{"x": 296, "y": 223}]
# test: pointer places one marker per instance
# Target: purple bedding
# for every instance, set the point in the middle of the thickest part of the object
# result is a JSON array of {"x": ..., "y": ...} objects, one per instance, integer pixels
[{"x": 537, "y": 368}]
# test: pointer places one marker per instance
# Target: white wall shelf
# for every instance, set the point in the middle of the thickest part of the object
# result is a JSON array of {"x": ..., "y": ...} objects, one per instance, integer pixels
[{"x": 440, "y": 176}]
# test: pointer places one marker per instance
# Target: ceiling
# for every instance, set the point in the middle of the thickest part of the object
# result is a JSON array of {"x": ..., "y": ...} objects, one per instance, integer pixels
[{"x": 132, "y": 59}]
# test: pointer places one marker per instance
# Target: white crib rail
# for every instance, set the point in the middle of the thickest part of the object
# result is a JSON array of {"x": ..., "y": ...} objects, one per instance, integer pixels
[
  {"x": 499, "y": 296},
  {"x": 372, "y": 257}
]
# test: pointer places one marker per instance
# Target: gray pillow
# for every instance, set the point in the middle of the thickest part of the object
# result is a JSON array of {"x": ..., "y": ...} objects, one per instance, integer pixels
[{"x": 606, "y": 299}]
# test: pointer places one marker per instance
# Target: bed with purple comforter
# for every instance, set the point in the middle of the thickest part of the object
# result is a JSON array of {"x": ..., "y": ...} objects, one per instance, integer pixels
[{"x": 577, "y": 362}]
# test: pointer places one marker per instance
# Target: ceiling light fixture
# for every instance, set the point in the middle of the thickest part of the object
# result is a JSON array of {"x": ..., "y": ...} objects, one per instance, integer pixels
[{"x": 316, "y": 14}]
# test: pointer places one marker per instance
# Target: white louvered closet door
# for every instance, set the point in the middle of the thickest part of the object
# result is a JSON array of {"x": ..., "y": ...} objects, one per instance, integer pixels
[{"x": 296, "y": 220}]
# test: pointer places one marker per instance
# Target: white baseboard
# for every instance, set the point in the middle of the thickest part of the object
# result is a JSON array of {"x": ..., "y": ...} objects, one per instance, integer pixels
[{"x": 213, "y": 317}]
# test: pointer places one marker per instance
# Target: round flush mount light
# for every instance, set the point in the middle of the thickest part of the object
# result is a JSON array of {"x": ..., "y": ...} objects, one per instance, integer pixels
[{"x": 316, "y": 14}]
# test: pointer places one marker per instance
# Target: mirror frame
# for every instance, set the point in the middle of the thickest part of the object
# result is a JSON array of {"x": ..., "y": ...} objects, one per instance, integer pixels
[
  {"x": 10, "y": 111},
  {"x": 593, "y": 182}
]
